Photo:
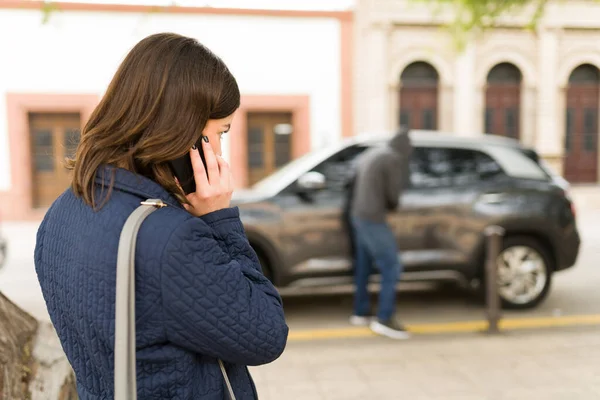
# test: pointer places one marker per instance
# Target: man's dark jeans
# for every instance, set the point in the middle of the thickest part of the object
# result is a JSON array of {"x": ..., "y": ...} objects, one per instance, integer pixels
[{"x": 375, "y": 244}]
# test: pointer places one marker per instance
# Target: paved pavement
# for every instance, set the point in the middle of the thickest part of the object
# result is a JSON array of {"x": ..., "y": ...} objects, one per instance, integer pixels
[
  {"x": 552, "y": 365},
  {"x": 18, "y": 280}
]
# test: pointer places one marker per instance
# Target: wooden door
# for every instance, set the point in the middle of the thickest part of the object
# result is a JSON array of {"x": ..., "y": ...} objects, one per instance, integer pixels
[
  {"x": 581, "y": 144},
  {"x": 581, "y": 130},
  {"x": 418, "y": 107},
  {"x": 419, "y": 96},
  {"x": 54, "y": 137},
  {"x": 269, "y": 143},
  {"x": 503, "y": 101},
  {"x": 502, "y": 112}
]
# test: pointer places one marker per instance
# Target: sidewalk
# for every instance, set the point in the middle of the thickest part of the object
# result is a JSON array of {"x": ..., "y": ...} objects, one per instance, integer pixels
[
  {"x": 586, "y": 197},
  {"x": 549, "y": 365}
]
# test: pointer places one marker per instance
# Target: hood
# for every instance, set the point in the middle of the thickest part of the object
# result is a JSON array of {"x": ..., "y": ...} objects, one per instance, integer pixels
[
  {"x": 401, "y": 142},
  {"x": 244, "y": 196}
]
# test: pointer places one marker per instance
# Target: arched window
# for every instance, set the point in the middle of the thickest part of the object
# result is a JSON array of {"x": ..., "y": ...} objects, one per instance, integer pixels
[
  {"x": 584, "y": 75},
  {"x": 419, "y": 96},
  {"x": 503, "y": 101},
  {"x": 581, "y": 127}
]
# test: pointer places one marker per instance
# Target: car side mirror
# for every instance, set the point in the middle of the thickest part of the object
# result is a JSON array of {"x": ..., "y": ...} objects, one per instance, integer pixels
[{"x": 311, "y": 181}]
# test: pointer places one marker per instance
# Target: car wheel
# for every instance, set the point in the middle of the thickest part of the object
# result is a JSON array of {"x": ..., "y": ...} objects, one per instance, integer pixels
[{"x": 524, "y": 273}]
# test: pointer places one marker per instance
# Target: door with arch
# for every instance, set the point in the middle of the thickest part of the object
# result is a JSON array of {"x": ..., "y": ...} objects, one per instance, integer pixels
[
  {"x": 419, "y": 96},
  {"x": 581, "y": 130},
  {"x": 503, "y": 101}
]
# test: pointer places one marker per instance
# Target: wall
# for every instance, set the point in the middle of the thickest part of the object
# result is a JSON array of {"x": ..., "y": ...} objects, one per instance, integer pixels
[{"x": 78, "y": 51}]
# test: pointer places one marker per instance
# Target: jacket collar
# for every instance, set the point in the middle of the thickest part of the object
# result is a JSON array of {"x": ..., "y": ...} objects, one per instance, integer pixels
[{"x": 138, "y": 185}]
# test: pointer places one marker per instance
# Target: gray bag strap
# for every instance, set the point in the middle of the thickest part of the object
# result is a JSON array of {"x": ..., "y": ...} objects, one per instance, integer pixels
[{"x": 125, "y": 346}]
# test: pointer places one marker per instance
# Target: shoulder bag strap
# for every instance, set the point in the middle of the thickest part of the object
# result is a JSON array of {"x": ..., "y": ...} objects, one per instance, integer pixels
[
  {"x": 125, "y": 346},
  {"x": 229, "y": 388}
]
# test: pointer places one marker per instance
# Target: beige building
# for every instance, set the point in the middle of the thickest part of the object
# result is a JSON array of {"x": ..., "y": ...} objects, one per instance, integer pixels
[{"x": 542, "y": 86}]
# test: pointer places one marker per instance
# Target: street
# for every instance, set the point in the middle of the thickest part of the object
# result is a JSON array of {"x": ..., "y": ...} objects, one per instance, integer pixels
[
  {"x": 574, "y": 291},
  {"x": 328, "y": 359}
]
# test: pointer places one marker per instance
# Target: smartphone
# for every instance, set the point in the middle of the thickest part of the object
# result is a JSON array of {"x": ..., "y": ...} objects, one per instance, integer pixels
[{"x": 183, "y": 171}]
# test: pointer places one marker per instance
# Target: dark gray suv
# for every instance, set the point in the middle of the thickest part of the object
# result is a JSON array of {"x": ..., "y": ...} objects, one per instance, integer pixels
[{"x": 459, "y": 186}]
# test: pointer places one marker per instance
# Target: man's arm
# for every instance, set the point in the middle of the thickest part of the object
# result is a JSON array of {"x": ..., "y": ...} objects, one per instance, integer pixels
[{"x": 394, "y": 180}]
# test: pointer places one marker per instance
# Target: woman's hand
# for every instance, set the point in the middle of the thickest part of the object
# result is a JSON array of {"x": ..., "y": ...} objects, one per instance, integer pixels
[{"x": 213, "y": 192}]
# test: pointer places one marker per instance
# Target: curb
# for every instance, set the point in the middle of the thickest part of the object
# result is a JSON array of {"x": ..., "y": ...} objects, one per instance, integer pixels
[{"x": 451, "y": 327}]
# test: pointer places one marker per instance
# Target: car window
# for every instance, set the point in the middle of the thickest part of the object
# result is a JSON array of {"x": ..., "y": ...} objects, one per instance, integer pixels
[
  {"x": 292, "y": 169},
  {"x": 339, "y": 168},
  {"x": 515, "y": 164},
  {"x": 441, "y": 166}
]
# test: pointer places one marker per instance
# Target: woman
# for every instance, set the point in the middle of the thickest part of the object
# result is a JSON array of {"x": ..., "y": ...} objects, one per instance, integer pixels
[{"x": 200, "y": 293}]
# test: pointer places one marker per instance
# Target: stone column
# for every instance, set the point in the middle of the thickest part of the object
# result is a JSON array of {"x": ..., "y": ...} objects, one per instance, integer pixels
[
  {"x": 548, "y": 135},
  {"x": 529, "y": 119},
  {"x": 464, "y": 100},
  {"x": 374, "y": 103},
  {"x": 446, "y": 107}
]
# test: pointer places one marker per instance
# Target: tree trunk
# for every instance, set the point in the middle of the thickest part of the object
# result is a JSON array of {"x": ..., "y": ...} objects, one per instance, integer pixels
[
  {"x": 33, "y": 365},
  {"x": 53, "y": 377},
  {"x": 17, "y": 331}
]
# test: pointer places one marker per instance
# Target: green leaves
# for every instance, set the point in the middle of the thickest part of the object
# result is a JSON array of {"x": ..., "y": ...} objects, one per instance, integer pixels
[
  {"x": 47, "y": 9},
  {"x": 472, "y": 17}
]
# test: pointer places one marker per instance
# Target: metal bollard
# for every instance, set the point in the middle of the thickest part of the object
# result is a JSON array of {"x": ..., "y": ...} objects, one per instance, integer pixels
[{"x": 493, "y": 236}]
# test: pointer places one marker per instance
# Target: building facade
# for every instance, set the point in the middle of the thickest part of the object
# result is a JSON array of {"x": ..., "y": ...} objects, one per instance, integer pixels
[
  {"x": 293, "y": 69},
  {"x": 541, "y": 87}
]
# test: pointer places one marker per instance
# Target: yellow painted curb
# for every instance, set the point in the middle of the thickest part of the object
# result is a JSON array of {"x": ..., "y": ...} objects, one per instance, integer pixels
[{"x": 451, "y": 327}]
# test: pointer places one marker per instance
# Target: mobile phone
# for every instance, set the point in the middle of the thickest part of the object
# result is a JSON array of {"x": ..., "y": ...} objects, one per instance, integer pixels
[{"x": 183, "y": 171}]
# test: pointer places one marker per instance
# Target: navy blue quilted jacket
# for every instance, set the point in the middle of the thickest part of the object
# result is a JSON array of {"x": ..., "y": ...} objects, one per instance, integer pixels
[{"x": 200, "y": 295}]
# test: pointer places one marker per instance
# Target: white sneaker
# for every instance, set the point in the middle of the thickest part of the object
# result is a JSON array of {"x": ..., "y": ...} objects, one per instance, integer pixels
[
  {"x": 390, "y": 329},
  {"x": 361, "y": 320}
]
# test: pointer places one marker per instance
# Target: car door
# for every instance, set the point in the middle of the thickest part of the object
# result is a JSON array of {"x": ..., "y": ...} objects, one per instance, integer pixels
[
  {"x": 314, "y": 240},
  {"x": 434, "y": 225}
]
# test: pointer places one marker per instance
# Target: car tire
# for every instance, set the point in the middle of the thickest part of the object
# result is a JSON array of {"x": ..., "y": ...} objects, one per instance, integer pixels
[{"x": 536, "y": 254}]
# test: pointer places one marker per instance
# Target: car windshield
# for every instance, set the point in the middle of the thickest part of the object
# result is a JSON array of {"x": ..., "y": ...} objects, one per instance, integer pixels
[{"x": 292, "y": 170}]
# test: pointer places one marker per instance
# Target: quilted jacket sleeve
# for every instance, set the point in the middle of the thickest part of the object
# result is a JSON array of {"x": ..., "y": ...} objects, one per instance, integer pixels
[{"x": 216, "y": 301}]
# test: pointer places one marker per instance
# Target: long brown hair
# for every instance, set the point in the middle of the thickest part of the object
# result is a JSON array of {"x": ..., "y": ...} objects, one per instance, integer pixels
[{"x": 154, "y": 110}]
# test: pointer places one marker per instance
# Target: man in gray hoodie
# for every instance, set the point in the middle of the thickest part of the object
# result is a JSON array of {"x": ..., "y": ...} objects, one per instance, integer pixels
[{"x": 381, "y": 175}]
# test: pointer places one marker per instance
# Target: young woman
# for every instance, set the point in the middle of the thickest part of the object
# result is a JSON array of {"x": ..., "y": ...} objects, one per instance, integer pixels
[{"x": 200, "y": 293}]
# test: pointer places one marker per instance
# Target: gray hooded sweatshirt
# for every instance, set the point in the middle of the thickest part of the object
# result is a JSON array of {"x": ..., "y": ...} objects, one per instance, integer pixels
[{"x": 381, "y": 175}]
